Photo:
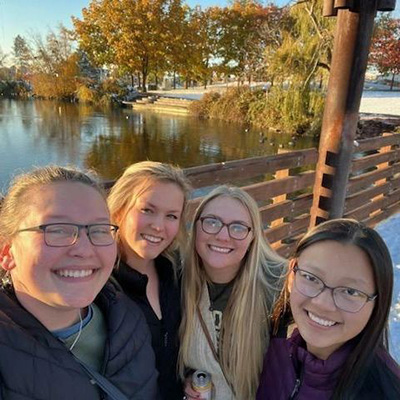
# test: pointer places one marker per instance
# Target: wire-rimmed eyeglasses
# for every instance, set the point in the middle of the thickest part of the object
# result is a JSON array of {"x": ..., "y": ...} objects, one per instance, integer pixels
[
  {"x": 66, "y": 234},
  {"x": 213, "y": 225},
  {"x": 346, "y": 298}
]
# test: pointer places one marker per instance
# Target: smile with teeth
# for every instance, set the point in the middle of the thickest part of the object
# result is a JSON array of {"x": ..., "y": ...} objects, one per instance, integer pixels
[
  {"x": 152, "y": 239},
  {"x": 319, "y": 320},
  {"x": 218, "y": 249},
  {"x": 75, "y": 273}
]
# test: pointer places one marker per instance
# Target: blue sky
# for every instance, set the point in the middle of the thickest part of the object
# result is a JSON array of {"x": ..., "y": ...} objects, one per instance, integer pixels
[{"x": 26, "y": 16}]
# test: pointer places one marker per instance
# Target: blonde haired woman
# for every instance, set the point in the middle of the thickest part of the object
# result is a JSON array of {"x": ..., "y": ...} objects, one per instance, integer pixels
[
  {"x": 231, "y": 278},
  {"x": 148, "y": 203}
]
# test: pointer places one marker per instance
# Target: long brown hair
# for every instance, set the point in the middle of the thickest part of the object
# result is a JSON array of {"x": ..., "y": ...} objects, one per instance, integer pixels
[{"x": 375, "y": 334}]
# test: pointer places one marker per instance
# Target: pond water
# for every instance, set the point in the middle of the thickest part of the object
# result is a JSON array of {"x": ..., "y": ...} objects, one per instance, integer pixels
[{"x": 36, "y": 132}]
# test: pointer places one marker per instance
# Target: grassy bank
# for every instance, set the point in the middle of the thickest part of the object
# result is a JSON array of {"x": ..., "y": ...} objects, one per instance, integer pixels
[{"x": 289, "y": 110}]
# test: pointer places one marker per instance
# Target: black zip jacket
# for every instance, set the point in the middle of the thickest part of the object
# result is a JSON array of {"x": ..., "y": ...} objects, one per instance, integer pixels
[{"x": 165, "y": 331}]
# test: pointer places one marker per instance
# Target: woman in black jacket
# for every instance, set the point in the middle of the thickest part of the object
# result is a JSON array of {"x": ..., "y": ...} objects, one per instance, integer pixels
[
  {"x": 63, "y": 335},
  {"x": 148, "y": 203}
]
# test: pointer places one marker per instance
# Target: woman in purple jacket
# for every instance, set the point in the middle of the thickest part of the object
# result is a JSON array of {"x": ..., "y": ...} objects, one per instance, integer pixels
[{"x": 338, "y": 292}]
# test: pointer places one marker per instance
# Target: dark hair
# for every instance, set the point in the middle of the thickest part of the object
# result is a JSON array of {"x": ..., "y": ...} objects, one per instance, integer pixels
[{"x": 364, "y": 360}]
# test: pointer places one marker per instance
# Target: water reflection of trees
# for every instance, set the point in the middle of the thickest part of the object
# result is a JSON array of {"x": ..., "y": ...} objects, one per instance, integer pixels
[
  {"x": 109, "y": 140},
  {"x": 178, "y": 140}
]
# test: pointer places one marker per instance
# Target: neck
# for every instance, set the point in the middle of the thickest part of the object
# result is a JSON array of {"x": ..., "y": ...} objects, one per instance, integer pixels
[
  {"x": 140, "y": 264},
  {"x": 51, "y": 317},
  {"x": 221, "y": 275}
]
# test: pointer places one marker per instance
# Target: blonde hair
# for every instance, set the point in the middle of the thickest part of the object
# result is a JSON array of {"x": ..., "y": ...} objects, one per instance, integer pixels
[
  {"x": 15, "y": 205},
  {"x": 244, "y": 334},
  {"x": 136, "y": 180}
]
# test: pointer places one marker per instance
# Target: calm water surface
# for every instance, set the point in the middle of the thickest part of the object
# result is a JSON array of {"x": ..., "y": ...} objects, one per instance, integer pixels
[{"x": 37, "y": 132}]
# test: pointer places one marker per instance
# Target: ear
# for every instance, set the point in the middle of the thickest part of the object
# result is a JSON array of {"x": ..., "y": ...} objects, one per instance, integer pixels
[{"x": 6, "y": 258}]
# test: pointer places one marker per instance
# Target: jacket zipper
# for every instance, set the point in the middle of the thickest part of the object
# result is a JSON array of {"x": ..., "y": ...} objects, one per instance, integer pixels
[
  {"x": 297, "y": 384},
  {"x": 295, "y": 389}
]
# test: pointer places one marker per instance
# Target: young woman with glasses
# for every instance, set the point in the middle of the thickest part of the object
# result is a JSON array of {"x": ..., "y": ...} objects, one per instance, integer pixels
[
  {"x": 148, "y": 203},
  {"x": 338, "y": 292},
  {"x": 230, "y": 280},
  {"x": 63, "y": 332}
]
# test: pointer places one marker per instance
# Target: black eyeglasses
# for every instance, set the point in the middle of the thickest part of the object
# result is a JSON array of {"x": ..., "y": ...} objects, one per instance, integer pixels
[
  {"x": 65, "y": 234},
  {"x": 213, "y": 225},
  {"x": 346, "y": 298}
]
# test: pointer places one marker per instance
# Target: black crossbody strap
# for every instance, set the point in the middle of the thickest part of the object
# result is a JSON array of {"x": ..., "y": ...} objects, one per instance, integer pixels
[{"x": 103, "y": 383}]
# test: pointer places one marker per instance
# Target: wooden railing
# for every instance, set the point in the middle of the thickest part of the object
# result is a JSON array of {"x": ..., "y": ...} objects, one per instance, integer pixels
[
  {"x": 373, "y": 190},
  {"x": 284, "y": 194}
]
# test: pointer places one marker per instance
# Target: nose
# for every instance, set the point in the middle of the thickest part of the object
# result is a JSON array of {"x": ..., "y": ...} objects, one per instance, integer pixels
[
  {"x": 223, "y": 234},
  {"x": 158, "y": 223},
  {"x": 83, "y": 247},
  {"x": 325, "y": 300}
]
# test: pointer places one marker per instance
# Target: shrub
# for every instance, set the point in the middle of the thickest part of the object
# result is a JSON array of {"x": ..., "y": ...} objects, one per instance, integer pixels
[
  {"x": 86, "y": 94},
  {"x": 288, "y": 109},
  {"x": 202, "y": 108}
]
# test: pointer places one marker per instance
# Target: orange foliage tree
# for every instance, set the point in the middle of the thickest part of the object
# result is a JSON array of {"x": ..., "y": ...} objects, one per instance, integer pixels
[{"x": 385, "y": 47}]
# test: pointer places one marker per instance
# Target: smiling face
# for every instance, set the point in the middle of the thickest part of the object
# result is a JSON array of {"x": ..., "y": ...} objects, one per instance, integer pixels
[
  {"x": 152, "y": 223},
  {"x": 221, "y": 255},
  {"x": 64, "y": 279},
  {"x": 323, "y": 326}
]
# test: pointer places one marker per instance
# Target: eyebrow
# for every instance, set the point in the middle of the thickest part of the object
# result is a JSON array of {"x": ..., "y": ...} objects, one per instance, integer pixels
[
  {"x": 232, "y": 222},
  {"x": 320, "y": 274},
  {"x": 68, "y": 218},
  {"x": 147, "y": 203}
]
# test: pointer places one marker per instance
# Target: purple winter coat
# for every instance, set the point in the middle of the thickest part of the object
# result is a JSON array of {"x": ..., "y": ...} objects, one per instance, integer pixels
[{"x": 283, "y": 379}]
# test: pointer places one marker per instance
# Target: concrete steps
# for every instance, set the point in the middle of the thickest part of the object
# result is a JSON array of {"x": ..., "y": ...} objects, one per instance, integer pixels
[{"x": 168, "y": 105}]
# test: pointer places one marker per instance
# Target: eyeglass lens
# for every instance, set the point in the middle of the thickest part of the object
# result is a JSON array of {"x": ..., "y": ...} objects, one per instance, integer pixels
[
  {"x": 214, "y": 225},
  {"x": 67, "y": 234},
  {"x": 347, "y": 299}
]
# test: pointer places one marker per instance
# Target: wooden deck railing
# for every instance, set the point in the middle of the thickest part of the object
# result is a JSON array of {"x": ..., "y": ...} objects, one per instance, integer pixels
[
  {"x": 284, "y": 194},
  {"x": 373, "y": 190}
]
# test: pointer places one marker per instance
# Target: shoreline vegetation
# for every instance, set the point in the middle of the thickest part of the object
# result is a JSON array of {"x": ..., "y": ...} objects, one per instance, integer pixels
[{"x": 277, "y": 108}]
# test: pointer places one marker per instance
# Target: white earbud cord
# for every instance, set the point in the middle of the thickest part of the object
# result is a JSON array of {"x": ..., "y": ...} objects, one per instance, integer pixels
[{"x": 79, "y": 332}]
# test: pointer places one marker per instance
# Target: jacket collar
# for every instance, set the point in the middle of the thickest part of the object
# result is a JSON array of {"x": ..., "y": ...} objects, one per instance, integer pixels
[
  {"x": 317, "y": 373},
  {"x": 132, "y": 280}
]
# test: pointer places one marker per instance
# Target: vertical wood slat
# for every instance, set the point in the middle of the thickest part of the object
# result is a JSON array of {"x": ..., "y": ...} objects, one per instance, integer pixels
[
  {"x": 283, "y": 173},
  {"x": 380, "y": 182}
]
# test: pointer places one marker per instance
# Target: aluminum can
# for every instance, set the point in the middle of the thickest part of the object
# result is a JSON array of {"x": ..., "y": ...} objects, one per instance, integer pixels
[{"x": 201, "y": 382}]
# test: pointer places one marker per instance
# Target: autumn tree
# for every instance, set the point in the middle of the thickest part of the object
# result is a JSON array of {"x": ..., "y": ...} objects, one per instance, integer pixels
[
  {"x": 242, "y": 36},
  {"x": 201, "y": 44},
  {"x": 54, "y": 68},
  {"x": 131, "y": 34},
  {"x": 299, "y": 65},
  {"x": 385, "y": 47},
  {"x": 4, "y": 71},
  {"x": 22, "y": 53}
]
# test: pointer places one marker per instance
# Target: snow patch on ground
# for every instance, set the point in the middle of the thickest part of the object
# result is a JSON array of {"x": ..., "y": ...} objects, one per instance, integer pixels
[
  {"x": 389, "y": 230},
  {"x": 381, "y": 102}
]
